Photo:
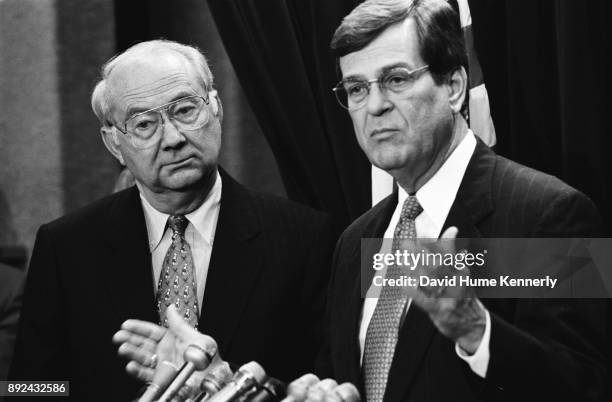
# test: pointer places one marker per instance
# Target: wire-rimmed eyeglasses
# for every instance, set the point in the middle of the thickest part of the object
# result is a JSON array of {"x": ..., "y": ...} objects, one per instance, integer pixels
[
  {"x": 187, "y": 114},
  {"x": 352, "y": 93}
]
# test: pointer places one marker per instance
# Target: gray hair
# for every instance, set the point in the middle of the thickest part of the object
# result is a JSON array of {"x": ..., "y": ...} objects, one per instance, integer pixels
[{"x": 100, "y": 102}]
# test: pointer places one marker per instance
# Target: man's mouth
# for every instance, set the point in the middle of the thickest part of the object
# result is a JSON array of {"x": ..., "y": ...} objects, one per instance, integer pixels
[
  {"x": 179, "y": 162},
  {"x": 383, "y": 132}
]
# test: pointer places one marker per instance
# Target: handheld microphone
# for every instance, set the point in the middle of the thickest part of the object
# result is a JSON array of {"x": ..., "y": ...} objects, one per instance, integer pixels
[
  {"x": 215, "y": 378},
  {"x": 246, "y": 378},
  {"x": 272, "y": 390},
  {"x": 163, "y": 376},
  {"x": 196, "y": 358}
]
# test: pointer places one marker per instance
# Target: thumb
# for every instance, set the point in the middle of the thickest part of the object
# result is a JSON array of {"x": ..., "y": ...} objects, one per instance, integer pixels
[
  {"x": 450, "y": 233},
  {"x": 179, "y": 327},
  {"x": 188, "y": 336},
  {"x": 447, "y": 240}
]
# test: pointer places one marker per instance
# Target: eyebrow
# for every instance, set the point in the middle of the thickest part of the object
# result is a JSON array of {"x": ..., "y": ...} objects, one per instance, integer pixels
[{"x": 384, "y": 70}]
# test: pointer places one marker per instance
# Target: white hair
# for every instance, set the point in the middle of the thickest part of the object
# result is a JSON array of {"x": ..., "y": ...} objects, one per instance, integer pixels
[{"x": 100, "y": 102}]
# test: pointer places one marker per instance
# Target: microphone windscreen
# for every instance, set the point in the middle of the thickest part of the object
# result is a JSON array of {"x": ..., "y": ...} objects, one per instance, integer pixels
[
  {"x": 255, "y": 370},
  {"x": 201, "y": 357},
  {"x": 275, "y": 387},
  {"x": 219, "y": 374}
]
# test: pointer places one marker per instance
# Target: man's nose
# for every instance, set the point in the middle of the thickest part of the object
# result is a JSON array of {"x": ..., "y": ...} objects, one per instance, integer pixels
[
  {"x": 377, "y": 101},
  {"x": 171, "y": 135}
]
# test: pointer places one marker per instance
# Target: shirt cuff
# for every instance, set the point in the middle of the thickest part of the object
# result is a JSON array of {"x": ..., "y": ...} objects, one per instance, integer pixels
[{"x": 479, "y": 361}]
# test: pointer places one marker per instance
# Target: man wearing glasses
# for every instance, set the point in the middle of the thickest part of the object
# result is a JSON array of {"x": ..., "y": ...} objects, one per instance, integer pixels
[
  {"x": 403, "y": 66},
  {"x": 248, "y": 269}
]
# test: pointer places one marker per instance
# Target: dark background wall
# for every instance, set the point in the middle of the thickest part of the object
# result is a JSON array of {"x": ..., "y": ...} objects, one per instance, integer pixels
[{"x": 49, "y": 53}]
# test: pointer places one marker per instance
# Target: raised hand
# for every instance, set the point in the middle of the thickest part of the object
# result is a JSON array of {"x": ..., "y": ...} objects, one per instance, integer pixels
[
  {"x": 146, "y": 344},
  {"x": 454, "y": 310}
]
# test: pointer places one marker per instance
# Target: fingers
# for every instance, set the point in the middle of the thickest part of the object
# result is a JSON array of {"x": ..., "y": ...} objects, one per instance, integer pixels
[
  {"x": 298, "y": 389},
  {"x": 308, "y": 388},
  {"x": 138, "y": 342},
  {"x": 348, "y": 392},
  {"x": 144, "y": 329},
  {"x": 139, "y": 371},
  {"x": 141, "y": 356},
  {"x": 123, "y": 336},
  {"x": 323, "y": 391}
]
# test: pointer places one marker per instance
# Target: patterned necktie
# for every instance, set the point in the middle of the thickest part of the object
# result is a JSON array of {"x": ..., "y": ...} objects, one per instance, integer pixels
[
  {"x": 382, "y": 333},
  {"x": 177, "y": 280}
]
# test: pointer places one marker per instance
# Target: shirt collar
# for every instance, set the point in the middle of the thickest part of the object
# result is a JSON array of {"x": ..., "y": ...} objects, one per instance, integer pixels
[
  {"x": 438, "y": 194},
  {"x": 202, "y": 219}
]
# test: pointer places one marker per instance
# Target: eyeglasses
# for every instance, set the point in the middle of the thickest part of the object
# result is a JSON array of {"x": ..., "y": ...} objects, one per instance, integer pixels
[
  {"x": 187, "y": 114},
  {"x": 353, "y": 93}
]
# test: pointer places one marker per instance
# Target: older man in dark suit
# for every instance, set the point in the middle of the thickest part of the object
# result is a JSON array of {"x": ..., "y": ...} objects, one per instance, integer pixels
[
  {"x": 404, "y": 79},
  {"x": 246, "y": 268}
]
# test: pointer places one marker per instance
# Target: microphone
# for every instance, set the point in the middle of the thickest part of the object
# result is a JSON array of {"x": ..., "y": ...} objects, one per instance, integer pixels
[
  {"x": 163, "y": 376},
  {"x": 214, "y": 379},
  {"x": 272, "y": 390},
  {"x": 246, "y": 378},
  {"x": 196, "y": 358}
]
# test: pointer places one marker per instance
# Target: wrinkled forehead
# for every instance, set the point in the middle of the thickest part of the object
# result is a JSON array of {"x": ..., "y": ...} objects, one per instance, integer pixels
[{"x": 145, "y": 79}]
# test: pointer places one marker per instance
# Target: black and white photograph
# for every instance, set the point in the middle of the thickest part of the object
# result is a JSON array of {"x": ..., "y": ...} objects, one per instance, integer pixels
[{"x": 305, "y": 200}]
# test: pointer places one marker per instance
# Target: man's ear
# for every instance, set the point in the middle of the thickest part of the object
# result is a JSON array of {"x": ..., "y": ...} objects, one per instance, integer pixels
[
  {"x": 215, "y": 104},
  {"x": 111, "y": 141},
  {"x": 457, "y": 87}
]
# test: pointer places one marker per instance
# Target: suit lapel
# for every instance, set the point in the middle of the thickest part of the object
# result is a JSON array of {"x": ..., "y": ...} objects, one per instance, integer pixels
[
  {"x": 128, "y": 275},
  {"x": 474, "y": 201},
  {"x": 234, "y": 265}
]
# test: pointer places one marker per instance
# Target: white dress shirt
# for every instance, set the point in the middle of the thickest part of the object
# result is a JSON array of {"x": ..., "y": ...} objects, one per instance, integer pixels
[
  {"x": 200, "y": 234},
  {"x": 436, "y": 198}
]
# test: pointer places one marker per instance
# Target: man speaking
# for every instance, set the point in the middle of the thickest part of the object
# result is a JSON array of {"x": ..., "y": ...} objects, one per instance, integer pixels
[
  {"x": 248, "y": 269},
  {"x": 404, "y": 81}
]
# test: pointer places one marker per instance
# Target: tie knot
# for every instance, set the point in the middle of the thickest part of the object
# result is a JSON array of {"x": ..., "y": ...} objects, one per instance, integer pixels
[
  {"x": 411, "y": 208},
  {"x": 178, "y": 223}
]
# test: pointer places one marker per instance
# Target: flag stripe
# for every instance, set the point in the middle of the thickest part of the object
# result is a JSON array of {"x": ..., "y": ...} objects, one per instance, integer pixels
[{"x": 475, "y": 72}]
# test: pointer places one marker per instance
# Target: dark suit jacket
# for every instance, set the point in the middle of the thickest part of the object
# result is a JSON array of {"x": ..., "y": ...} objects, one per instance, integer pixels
[
  {"x": 539, "y": 349},
  {"x": 91, "y": 270}
]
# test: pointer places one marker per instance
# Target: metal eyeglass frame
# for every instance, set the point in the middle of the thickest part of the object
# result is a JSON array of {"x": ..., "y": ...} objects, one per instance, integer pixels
[
  {"x": 340, "y": 86},
  {"x": 160, "y": 109}
]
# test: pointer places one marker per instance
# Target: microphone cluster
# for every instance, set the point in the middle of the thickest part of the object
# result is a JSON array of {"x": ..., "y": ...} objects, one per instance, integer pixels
[{"x": 201, "y": 379}]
